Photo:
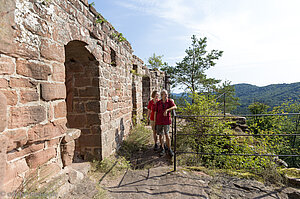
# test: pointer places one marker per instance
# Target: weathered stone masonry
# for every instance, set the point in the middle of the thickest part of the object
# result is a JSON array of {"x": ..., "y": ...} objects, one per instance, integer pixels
[{"x": 66, "y": 84}]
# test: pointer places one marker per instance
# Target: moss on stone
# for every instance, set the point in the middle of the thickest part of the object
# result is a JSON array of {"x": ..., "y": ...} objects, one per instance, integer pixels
[{"x": 290, "y": 172}]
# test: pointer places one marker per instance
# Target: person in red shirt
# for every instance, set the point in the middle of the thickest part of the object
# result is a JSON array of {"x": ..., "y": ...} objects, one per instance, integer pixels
[
  {"x": 162, "y": 118},
  {"x": 150, "y": 115}
]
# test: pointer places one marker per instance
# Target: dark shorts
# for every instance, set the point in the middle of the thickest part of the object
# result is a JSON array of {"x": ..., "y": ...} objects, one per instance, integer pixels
[{"x": 162, "y": 129}]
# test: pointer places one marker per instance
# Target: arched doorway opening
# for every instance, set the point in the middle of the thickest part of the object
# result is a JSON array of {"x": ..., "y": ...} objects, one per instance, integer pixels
[
  {"x": 83, "y": 99},
  {"x": 145, "y": 93}
]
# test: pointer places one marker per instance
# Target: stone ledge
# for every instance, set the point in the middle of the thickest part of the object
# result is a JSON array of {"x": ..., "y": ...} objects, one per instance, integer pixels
[
  {"x": 71, "y": 134},
  {"x": 68, "y": 146},
  {"x": 3, "y": 112}
]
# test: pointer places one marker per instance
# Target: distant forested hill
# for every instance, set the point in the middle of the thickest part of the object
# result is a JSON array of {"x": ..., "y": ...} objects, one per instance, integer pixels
[{"x": 272, "y": 95}]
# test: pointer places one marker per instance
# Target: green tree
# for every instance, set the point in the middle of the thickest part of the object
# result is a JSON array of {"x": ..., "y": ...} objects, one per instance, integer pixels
[
  {"x": 258, "y": 108},
  {"x": 156, "y": 62},
  {"x": 190, "y": 72},
  {"x": 231, "y": 101},
  {"x": 289, "y": 125},
  {"x": 259, "y": 124}
]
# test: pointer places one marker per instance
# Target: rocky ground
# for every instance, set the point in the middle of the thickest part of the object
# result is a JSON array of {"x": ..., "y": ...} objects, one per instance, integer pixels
[
  {"x": 151, "y": 176},
  {"x": 160, "y": 182},
  {"x": 154, "y": 178}
]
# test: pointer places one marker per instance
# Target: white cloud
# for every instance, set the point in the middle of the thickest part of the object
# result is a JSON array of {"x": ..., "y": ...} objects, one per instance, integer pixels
[{"x": 254, "y": 34}]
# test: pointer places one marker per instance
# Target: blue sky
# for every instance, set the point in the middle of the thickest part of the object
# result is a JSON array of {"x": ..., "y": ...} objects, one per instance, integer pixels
[{"x": 260, "y": 38}]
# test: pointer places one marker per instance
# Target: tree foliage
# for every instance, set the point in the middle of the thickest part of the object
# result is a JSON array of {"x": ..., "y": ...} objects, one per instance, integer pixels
[
  {"x": 190, "y": 72},
  {"x": 156, "y": 62},
  {"x": 272, "y": 95},
  {"x": 258, "y": 108},
  {"x": 228, "y": 91},
  {"x": 278, "y": 125},
  {"x": 198, "y": 140}
]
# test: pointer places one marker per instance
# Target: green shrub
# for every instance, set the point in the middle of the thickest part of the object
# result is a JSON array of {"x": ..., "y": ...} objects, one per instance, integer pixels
[
  {"x": 199, "y": 142},
  {"x": 279, "y": 125}
]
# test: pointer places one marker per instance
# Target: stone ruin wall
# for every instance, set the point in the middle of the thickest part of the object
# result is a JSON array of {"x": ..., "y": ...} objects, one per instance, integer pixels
[
  {"x": 66, "y": 84},
  {"x": 151, "y": 81}
]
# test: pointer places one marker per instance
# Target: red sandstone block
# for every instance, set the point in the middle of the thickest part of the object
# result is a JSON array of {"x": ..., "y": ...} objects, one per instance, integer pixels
[
  {"x": 91, "y": 71},
  {"x": 90, "y": 92},
  {"x": 11, "y": 97},
  {"x": 28, "y": 96},
  {"x": 21, "y": 83},
  {"x": 90, "y": 140},
  {"x": 17, "y": 138},
  {"x": 105, "y": 117},
  {"x": 105, "y": 28},
  {"x": 3, "y": 83},
  {"x": 81, "y": 20},
  {"x": 68, "y": 152},
  {"x": 52, "y": 51},
  {"x": 85, "y": 131},
  {"x": 24, "y": 116},
  {"x": 82, "y": 81},
  {"x": 110, "y": 106},
  {"x": 53, "y": 91},
  {"x": 85, "y": 2},
  {"x": 97, "y": 52},
  {"x": 104, "y": 127},
  {"x": 106, "y": 58},
  {"x": 77, "y": 121},
  {"x": 25, "y": 151},
  {"x": 40, "y": 158},
  {"x": 93, "y": 106},
  {"x": 95, "y": 82},
  {"x": 3, "y": 112},
  {"x": 36, "y": 70},
  {"x": 7, "y": 65},
  {"x": 60, "y": 110},
  {"x": 50, "y": 112},
  {"x": 3, "y": 144},
  {"x": 79, "y": 107},
  {"x": 47, "y": 171},
  {"x": 71, "y": 134},
  {"x": 76, "y": 4},
  {"x": 58, "y": 72},
  {"x": 75, "y": 67},
  {"x": 12, "y": 185},
  {"x": 61, "y": 124},
  {"x": 14, "y": 169},
  {"x": 93, "y": 119},
  {"x": 53, "y": 142},
  {"x": 26, "y": 51},
  {"x": 96, "y": 129},
  {"x": 44, "y": 132}
]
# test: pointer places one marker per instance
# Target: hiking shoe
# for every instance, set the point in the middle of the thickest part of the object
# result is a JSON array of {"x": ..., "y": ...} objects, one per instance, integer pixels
[
  {"x": 171, "y": 153},
  {"x": 156, "y": 147},
  {"x": 163, "y": 152}
]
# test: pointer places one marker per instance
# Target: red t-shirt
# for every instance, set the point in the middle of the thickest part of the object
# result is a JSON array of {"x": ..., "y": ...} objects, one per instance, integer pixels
[
  {"x": 161, "y": 107},
  {"x": 151, "y": 107}
]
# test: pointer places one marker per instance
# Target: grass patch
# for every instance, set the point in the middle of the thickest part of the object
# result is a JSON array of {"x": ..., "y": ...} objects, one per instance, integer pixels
[
  {"x": 102, "y": 194},
  {"x": 271, "y": 175},
  {"x": 110, "y": 166},
  {"x": 116, "y": 164},
  {"x": 214, "y": 172},
  {"x": 138, "y": 140},
  {"x": 290, "y": 172}
]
